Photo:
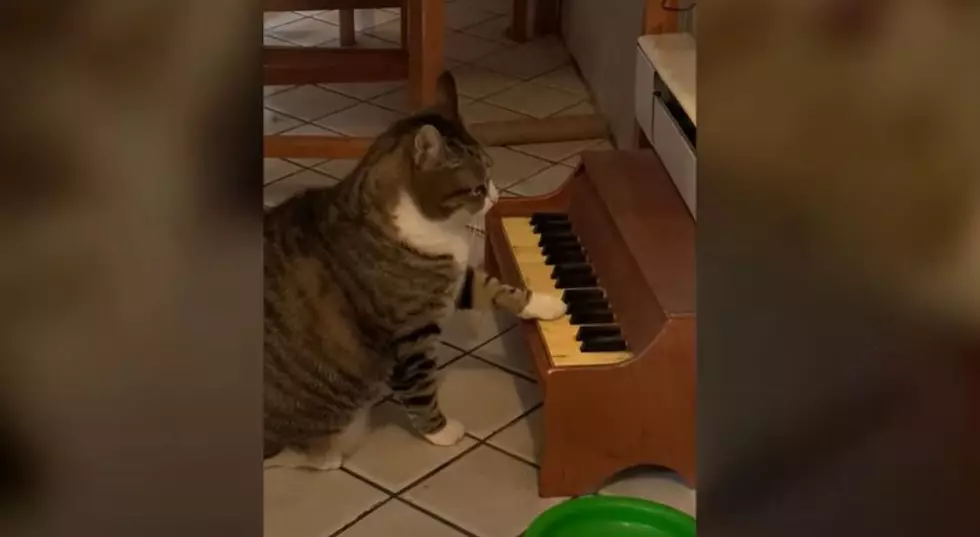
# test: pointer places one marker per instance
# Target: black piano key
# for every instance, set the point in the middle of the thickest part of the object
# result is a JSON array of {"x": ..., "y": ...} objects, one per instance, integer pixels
[
  {"x": 552, "y": 227},
  {"x": 607, "y": 344},
  {"x": 537, "y": 218},
  {"x": 562, "y": 248},
  {"x": 577, "y": 295},
  {"x": 575, "y": 282},
  {"x": 559, "y": 238},
  {"x": 571, "y": 270},
  {"x": 588, "y": 306},
  {"x": 592, "y": 317},
  {"x": 565, "y": 256},
  {"x": 587, "y": 332}
]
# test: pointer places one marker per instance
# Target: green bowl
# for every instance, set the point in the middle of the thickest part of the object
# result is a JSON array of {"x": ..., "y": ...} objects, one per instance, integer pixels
[{"x": 611, "y": 516}]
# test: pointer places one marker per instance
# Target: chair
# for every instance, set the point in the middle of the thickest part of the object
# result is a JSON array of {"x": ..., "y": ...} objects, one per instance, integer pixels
[{"x": 419, "y": 60}]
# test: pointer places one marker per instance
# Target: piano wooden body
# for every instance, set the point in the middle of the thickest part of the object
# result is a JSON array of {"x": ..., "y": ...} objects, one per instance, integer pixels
[{"x": 627, "y": 401}]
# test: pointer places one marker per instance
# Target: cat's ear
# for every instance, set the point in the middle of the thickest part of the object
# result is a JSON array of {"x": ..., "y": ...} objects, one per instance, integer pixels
[
  {"x": 429, "y": 147},
  {"x": 447, "y": 100}
]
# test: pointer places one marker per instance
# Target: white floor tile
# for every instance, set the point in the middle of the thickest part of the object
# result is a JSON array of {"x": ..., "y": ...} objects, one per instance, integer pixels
[
  {"x": 389, "y": 31},
  {"x": 500, "y": 7},
  {"x": 461, "y": 15},
  {"x": 365, "y": 91},
  {"x": 509, "y": 351},
  {"x": 522, "y": 438},
  {"x": 446, "y": 354},
  {"x": 476, "y": 82},
  {"x": 534, "y": 100},
  {"x": 486, "y": 492},
  {"x": 308, "y": 102},
  {"x": 557, "y": 151},
  {"x": 362, "y": 120},
  {"x": 581, "y": 109},
  {"x": 309, "y": 128},
  {"x": 545, "y": 182},
  {"x": 270, "y": 41},
  {"x": 394, "y": 455},
  {"x": 660, "y": 487},
  {"x": 483, "y": 397},
  {"x": 565, "y": 79},
  {"x": 510, "y": 167},
  {"x": 275, "y": 123},
  {"x": 469, "y": 329},
  {"x": 276, "y": 168},
  {"x": 493, "y": 30},
  {"x": 479, "y": 111},
  {"x": 307, "y": 32},
  {"x": 398, "y": 519},
  {"x": 575, "y": 159},
  {"x": 339, "y": 168},
  {"x": 363, "y": 40},
  {"x": 270, "y": 90},
  {"x": 284, "y": 189},
  {"x": 466, "y": 48},
  {"x": 300, "y": 503},
  {"x": 363, "y": 18},
  {"x": 528, "y": 60},
  {"x": 308, "y": 162},
  {"x": 278, "y": 18}
]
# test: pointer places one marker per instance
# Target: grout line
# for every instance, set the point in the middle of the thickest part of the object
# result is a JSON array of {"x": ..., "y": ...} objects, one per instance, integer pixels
[
  {"x": 511, "y": 455},
  {"x": 367, "y": 481},
  {"x": 425, "y": 511},
  {"x": 519, "y": 374},
  {"x": 362, "y": 516},
  {"x": 437, "y": 469}
]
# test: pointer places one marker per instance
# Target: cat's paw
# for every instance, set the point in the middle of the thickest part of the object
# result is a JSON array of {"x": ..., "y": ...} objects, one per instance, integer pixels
[
  {"x": 541, "y": 306},
  {"x": 451, "y": 433}
]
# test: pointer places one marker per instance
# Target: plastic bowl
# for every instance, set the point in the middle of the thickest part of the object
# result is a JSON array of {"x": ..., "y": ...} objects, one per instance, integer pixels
[{"x": 611, "y": 516}]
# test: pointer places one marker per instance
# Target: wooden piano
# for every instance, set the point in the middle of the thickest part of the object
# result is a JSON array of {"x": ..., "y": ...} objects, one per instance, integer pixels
[{"x": 618, "y": 372}]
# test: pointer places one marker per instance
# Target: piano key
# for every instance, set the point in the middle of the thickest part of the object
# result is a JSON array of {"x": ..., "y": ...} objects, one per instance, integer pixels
[
  {"x": 565, "y": 256},
  {"x": 608, "y": 344},
  {"x": 568, "y": 248},
  {"x": 588, "y": 306},
  {"x": 552, "y": 227},
  {"x": 558, "y": 336},
  {"x": 596, "y": 331},
  {"x": 572, "y": 270},
  {"x": 559, "y": 238},
  {"x": 582, "y": 295},
  {"x": 537, "y": 218},
  {"x": 592, "y": 317},
  {"x": 575, "y": 282}
]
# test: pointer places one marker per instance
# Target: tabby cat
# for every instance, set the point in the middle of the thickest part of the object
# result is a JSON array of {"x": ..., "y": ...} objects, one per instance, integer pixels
[{"x": 358, "y": 278}]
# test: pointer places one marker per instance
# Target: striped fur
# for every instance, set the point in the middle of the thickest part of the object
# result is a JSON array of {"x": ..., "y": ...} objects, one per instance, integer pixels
[{"x": 358, "y": 278}]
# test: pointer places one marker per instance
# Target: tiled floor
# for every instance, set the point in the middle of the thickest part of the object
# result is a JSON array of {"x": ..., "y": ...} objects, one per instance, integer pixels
[{"x": 397, "y": 484}]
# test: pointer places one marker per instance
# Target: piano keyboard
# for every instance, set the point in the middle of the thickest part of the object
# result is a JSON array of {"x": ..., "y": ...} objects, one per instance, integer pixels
[{"x": 551, "y": 260}]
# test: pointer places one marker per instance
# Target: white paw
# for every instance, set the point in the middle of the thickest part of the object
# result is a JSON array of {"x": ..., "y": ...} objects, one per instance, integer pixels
[
  {"x": 448, "y": 435},
  {"x": 543, "y": 306}
]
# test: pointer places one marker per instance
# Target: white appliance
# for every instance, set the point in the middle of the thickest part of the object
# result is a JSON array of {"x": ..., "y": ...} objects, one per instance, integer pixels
[{"x": 666, "y": 106}]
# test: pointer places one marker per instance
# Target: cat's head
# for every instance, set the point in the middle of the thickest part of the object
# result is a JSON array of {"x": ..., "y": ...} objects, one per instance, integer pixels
[{"x": 450, "y": 177}]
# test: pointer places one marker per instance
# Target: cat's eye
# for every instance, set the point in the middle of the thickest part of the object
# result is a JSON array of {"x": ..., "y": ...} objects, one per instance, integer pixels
[{"x": 479, "y": 191}]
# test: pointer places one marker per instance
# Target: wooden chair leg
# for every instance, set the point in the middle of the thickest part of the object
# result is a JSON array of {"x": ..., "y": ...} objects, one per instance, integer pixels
[
  {"x": 426, "y": 20},
  {"x": 347, "y": 38}
]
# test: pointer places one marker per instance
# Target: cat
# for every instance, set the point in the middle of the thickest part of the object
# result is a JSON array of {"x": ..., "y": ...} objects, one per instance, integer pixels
[{"x": 358, "y": 278}]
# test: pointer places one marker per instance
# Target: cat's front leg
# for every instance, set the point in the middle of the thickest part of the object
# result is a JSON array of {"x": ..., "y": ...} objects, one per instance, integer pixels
[
  {"x": 414, "y": 384},
  {"x": 482, "y": 291}
]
